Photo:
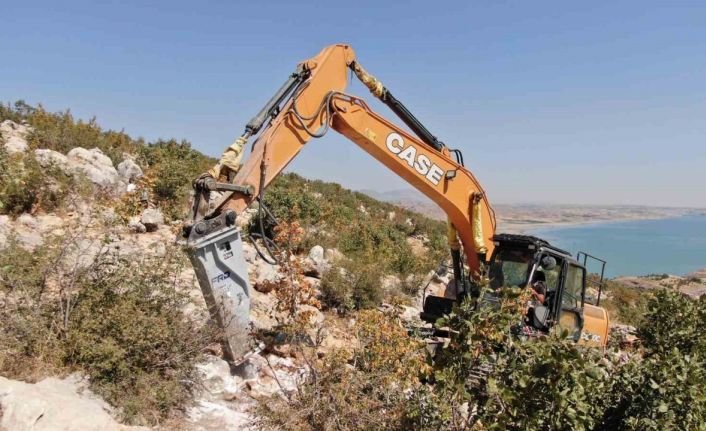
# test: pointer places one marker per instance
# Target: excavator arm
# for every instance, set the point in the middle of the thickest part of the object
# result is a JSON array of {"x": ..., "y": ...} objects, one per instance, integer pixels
[
  {"x": 310, "y": 103},
  {"x": 315, "y": 103}
]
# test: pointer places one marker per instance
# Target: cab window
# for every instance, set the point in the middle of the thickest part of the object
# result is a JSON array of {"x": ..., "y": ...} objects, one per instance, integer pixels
[
  {"x": 510, "y": 268},
  {"x": 573, "y": 288}
]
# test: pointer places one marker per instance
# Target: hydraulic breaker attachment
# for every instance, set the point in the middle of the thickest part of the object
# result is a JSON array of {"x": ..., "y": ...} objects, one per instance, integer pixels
[{"x": 215, "y": 248}]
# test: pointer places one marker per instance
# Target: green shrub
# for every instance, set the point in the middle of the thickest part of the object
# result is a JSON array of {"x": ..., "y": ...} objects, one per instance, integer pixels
[
  {"x": 25, "y": 186},
  {"x": 674, "y": 321},
  {"x": 626, "y": 304},
  {"x": 660, "y": 392},
  {"x": 663, "y": 389},
  {"x": 172, "y": 166},
  {"x": 367, "y": 391},
  {"x": 352, "y": 285},
  {"x": 549, "y": 383},
  {"x": 120, "y": 320}
]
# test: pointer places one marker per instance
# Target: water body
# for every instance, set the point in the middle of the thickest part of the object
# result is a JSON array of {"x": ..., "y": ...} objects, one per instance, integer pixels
[{"x": 637, "y": 247}]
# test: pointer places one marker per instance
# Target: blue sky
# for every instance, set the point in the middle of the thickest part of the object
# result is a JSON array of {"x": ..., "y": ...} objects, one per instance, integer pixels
[{"x": 565, "y": 102}]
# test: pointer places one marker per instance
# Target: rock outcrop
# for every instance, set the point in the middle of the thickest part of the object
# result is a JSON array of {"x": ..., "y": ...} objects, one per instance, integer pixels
[
  {"x": 93, "y": 164},
  {"x": 152, "y": 218},
  {"x": 316, "y": 263},
  {"x": 97, "y": 166},
  {"x": 14, "y": 136},
  {"x": 229, "y": 394},
  {"x": 129, "y": 171},
  {"x": 54, "y": 405},
  {"x": 29, "y": 230}
]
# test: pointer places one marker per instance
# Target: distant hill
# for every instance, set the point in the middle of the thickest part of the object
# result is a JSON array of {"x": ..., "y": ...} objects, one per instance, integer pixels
[{"x": 518, "y": 218}]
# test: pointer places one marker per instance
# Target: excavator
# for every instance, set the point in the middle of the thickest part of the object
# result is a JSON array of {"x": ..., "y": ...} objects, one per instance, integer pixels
[{"x": 310, "y": 103}]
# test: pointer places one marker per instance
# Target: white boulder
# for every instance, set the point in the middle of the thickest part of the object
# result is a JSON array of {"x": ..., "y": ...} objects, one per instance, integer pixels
[
  {"x": 97, "y": 166},
  {"x": 316, "y": 254},
  {"x": 152, "y": 218},
  {"x": 264, "y": 275},
  {"x": 48, "y": 158},
  {"x": 52, "y": 405},
  {"x": 129, "y": 170},
  {"x": 14, "y": 136},
  {"x": 136, "y": 225}
]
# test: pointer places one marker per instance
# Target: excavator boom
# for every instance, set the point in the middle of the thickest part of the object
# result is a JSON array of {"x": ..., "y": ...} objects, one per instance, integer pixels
[
  {"x": 311, "y": 102},
  {"x": 317, "y": 103}
]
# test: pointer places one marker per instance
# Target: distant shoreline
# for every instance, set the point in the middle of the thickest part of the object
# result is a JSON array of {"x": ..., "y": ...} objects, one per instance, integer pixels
[
  {"x": 531, "y": 227},
  {"x": 636, "y": 247}
]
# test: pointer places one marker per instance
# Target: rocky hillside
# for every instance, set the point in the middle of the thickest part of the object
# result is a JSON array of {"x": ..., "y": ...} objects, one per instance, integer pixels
[
  {"x": 104, "y": 326},
  {"x": 67, "y": 211}
]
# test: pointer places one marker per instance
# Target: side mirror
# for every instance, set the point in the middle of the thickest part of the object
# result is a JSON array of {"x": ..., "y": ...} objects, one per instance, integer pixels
[{"x": 548, "y": 263}]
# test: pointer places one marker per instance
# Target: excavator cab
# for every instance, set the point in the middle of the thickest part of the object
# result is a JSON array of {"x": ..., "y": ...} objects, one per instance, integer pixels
[{"x": 518, "y": 260}]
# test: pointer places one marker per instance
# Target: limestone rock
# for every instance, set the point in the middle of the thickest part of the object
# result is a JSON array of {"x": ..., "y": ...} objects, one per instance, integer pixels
[
  {"x": 228, "y": 395},
  {"x": 48, "y": 158},
  {"x": 129, "y": 170},
  {"x": 4, "y": 229},
  {"x": 95, "y": 165},
  {"x": 249, "y": 252},
  {"x": 317, "y": 254},
  {"x": 152, "y": 218},
  {"x": 52, "y": 405},
  {"x": 316, "y": 265},
  {"x": 14, "y": 136},
  {"x": 243, "y": 220},
  {"x": 27, "y": 231},
  {"x": 264, "y": 275},
  {"x": 317, "y": 317},
  {"x": 136, "y": 225},
  {"x": 410, "y": 314}
]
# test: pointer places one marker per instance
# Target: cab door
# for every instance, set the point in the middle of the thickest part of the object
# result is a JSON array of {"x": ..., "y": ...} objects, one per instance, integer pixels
[{"x": 571, "y": 305}]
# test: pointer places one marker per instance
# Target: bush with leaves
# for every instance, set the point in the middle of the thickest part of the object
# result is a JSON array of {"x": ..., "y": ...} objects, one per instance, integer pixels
[
  {"x": 25, "y": 186},
  {"x": 292, "y": 290},
  {"x": 352, "y": 285},
  {"x": 120, "y": 320},
  {"x": 485, "y": 378},
  {"x": 332, "y": 217},
  {"x": 172, "y": 166},
  {"x": 664, "y": 388},
  {"x": 365, "y": 390}
]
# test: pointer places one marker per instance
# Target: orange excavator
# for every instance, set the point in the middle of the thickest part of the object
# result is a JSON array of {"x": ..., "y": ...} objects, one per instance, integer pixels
[{"x": 311, "y": 102}]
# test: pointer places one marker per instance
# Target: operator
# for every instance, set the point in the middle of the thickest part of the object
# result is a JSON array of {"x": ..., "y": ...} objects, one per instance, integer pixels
[{"x": 538, "y": 287}]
